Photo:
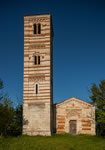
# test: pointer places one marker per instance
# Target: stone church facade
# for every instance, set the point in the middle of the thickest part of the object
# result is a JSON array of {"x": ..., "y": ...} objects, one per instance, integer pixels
[
  {"x": 74, "y": 116},
  {"x": 40, "y": 115}
]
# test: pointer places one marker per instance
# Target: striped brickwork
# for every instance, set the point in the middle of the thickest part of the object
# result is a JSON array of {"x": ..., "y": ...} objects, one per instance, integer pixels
[
  {"x": 37, "y": 107},
  {"x": 77, "y": 110}
]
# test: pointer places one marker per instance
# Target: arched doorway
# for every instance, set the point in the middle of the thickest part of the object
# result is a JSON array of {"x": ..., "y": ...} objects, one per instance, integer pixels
[{"x": 73, "y": 127}]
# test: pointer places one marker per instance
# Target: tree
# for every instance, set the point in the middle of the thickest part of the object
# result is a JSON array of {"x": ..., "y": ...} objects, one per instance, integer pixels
[
  {"x": 6, "y": 112},
  {"x": 16, "y": 124},
  {"x": 1, "y": 84},
  {"x": 98, "y": 99},
  {"x": 6, "y": 115},
  {"x": 10, "y": 117}
]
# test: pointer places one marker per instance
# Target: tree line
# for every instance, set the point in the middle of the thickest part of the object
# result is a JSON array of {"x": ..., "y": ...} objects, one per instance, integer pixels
[{"x": 11, "y": 117}]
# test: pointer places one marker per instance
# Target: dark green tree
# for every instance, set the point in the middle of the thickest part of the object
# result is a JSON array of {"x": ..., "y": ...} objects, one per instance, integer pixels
[
  {"x": 16, "y": 124},
  {"x": 1, "y": 84},
  {"x": 6, "y": 115},
  {"x": 98, "y": 99},
  {"x": 10, "y": 117}
]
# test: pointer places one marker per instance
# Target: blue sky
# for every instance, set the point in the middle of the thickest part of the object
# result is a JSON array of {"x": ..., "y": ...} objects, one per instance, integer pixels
[{"x": 78, "y": 47}]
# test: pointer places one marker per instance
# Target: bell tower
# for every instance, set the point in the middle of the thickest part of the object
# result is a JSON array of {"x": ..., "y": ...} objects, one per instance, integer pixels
[{"x": 38, "y": 78}]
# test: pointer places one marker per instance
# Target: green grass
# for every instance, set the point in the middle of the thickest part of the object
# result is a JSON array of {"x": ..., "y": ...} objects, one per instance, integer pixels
[{"x": 55, "y": 142}]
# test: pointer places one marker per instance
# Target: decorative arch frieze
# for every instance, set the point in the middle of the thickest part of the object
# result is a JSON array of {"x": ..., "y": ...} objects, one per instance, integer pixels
[
  {"x": 72, "y": 113},
  {"x": 36, "y": 78}
]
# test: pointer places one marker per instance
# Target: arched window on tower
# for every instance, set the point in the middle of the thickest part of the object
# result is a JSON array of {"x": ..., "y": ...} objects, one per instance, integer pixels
[
  {"x": 37, "y": 28},
  {"x": 36, "y": 88},
  {"x": 34, "y": 26},
  {"x": 37, "y": 60}
]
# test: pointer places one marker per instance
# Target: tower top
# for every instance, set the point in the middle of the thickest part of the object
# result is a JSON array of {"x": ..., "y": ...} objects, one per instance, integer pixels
[
  {"x": 41, "y": 15},
  {"x": 37, "y": 14}
]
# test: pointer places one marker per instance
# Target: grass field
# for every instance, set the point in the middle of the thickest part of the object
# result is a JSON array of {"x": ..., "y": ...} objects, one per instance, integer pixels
[{"x": 55, "y": 142}]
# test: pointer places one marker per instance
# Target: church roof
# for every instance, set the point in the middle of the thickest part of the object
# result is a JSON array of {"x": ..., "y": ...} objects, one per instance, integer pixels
[{"x": 76, "y": 99}]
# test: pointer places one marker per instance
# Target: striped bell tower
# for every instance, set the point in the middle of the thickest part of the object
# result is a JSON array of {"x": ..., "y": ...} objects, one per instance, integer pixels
[{"x": 38, "y": 79}]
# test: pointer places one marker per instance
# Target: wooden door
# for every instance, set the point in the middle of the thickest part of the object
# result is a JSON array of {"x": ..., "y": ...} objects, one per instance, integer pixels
[{"x": 73, "y": 127}]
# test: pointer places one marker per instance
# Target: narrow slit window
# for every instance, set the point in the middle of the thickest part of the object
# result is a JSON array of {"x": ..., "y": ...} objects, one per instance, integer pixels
[
  {"x": 34, "y": 28},
  {"x": 39, "y": 28},
  {"x": 35, "y": 60},
  {"x": 36, "y": 88},
  {"x": 39, "y": 60}
]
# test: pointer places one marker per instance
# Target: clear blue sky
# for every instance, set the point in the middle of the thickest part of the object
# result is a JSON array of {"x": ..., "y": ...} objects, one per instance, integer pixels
[{"x": 78, "y": 51}]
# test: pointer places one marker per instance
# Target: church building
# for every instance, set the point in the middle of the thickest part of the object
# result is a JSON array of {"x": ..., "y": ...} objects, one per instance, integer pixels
[{"x": 40, "y": 115}]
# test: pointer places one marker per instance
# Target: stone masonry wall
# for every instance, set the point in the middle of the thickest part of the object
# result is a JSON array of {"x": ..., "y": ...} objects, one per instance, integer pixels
[
  {"x": 37, "y": 107},
  {"x": 75, "y": 109}
]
